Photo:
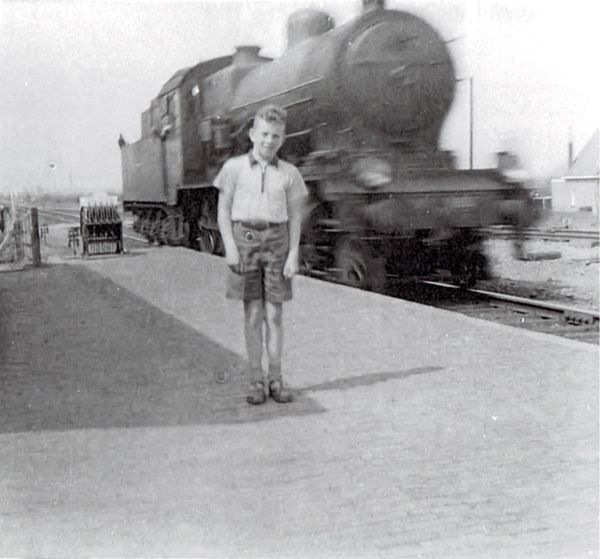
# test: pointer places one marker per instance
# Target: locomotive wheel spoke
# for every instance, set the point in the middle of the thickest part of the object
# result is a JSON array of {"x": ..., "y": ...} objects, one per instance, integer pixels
[
  {"x": 162, "y": 231},
  {"x": 154, "y": 229},
  {"x": 169, "y": 231},
  {"x": 144, "y": 225}
]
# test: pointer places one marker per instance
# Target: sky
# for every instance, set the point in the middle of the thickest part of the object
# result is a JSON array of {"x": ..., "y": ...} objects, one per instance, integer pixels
[{"x": 76, "y": 74}]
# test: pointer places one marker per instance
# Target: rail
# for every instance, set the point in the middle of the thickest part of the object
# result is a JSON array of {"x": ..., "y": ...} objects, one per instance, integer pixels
[
  {"x": 583, "y": 316},
  {"x": 535, "y": 232}
]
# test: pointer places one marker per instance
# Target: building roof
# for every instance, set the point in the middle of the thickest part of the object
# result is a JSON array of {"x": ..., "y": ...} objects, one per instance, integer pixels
[{"x": 586, "y": 163}]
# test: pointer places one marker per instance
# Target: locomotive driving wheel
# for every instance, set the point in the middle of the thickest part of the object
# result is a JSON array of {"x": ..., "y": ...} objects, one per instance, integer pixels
[
  {"x": 145, "y": 224},
  {"x": 354, "y": 266},
  {"x": 155, "y": 230},
  {"x": 169, "y": 231}
]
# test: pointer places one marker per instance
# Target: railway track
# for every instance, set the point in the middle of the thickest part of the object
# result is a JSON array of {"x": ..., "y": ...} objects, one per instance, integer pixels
[{"x": 540, "y": 316}]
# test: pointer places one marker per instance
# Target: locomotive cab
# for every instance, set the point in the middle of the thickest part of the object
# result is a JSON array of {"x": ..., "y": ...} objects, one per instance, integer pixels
[{"x": 164, "y": 172}]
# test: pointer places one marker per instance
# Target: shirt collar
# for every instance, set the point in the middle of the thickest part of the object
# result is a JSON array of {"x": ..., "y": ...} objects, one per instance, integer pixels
[{"x": 253, "y": 160}]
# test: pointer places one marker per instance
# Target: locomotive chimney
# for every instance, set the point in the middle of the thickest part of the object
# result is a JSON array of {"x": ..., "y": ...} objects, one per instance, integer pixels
[
  {"x": 246, "y": 54},
  {"x": 370, "y": 5}
]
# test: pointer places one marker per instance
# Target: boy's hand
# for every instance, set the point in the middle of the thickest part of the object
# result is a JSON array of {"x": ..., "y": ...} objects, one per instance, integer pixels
[
  {"x": 290, "y": 268},
  {"x": 232, "y": 259}
]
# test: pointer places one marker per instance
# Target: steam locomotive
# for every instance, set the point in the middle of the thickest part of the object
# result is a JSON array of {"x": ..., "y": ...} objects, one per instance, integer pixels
[{"x": 366, "y": 102}]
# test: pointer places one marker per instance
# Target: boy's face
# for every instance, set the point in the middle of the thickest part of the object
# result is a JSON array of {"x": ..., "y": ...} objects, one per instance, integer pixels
[{"x": 267, "y": 138}]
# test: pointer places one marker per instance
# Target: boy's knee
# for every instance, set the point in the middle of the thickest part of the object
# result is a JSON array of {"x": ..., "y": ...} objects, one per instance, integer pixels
[
  {"x": 274, "y": 312},
  {"x": 253, "y": 312}
]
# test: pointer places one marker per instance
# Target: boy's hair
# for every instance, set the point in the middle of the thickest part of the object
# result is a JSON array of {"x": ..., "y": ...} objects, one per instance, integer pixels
[{"x": 272, "y": 113}]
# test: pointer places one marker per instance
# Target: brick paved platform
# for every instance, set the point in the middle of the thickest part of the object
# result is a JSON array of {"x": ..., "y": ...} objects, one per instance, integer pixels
[{"x": 417, "y": 432}]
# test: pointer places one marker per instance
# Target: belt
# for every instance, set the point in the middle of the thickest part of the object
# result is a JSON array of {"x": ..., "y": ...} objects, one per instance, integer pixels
[{"x": 260, "y": 225}]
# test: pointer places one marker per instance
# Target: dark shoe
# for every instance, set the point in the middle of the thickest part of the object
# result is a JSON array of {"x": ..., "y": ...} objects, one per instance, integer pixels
[
  {"x": 257, "y": 395},
  {"x": 280, "y": 394}
]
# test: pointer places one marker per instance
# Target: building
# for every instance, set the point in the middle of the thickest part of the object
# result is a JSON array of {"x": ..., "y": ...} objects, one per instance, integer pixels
[{"x": 578, "y": 188}]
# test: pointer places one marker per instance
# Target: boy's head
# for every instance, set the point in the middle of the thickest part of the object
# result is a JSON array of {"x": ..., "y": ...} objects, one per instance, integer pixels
[{"x": 268, "y": 131}]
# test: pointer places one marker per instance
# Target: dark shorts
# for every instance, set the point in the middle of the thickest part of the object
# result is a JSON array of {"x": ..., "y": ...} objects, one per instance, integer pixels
[{"x": 263, "y": 252}]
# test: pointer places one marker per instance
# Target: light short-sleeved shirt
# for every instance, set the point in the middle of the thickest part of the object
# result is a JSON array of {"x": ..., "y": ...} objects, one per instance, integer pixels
[{"x": 261, "y": 194}]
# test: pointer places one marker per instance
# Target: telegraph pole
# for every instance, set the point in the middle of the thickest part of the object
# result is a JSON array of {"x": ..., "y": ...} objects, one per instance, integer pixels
[{"x": 471, "y": 122}]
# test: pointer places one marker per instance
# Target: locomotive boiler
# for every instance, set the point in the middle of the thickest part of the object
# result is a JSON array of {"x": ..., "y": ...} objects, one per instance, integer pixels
[{"x": 366, "y": 102}]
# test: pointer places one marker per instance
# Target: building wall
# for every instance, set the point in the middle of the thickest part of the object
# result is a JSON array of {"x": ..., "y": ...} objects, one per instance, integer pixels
[{"x": 574, "y": 195}]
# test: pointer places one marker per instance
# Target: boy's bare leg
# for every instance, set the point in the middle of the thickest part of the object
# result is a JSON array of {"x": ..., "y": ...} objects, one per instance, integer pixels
[
  {"x": 254, "y": 316},
  {"x": 274, "y": 320},
  {"x": 274, "y": 315}
]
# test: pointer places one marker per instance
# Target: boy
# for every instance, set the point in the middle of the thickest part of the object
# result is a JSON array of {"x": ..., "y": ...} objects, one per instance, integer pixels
[{"x": 261, "y": 200}]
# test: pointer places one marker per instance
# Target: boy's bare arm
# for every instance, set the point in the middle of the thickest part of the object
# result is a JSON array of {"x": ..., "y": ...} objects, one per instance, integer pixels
[
  {"x": 295, "y": 214},
  {"x": 232, "y": 256},
  {"x": 295, "y": 224}
]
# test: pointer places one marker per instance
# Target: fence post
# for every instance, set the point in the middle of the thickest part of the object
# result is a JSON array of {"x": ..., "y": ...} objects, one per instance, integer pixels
[
  {"x": 18, "y": 233},
  {"x": 36, "y": 254}
]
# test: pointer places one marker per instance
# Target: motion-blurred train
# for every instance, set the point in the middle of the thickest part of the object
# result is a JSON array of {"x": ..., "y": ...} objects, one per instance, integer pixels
[{"x": 366, "y": 102}]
